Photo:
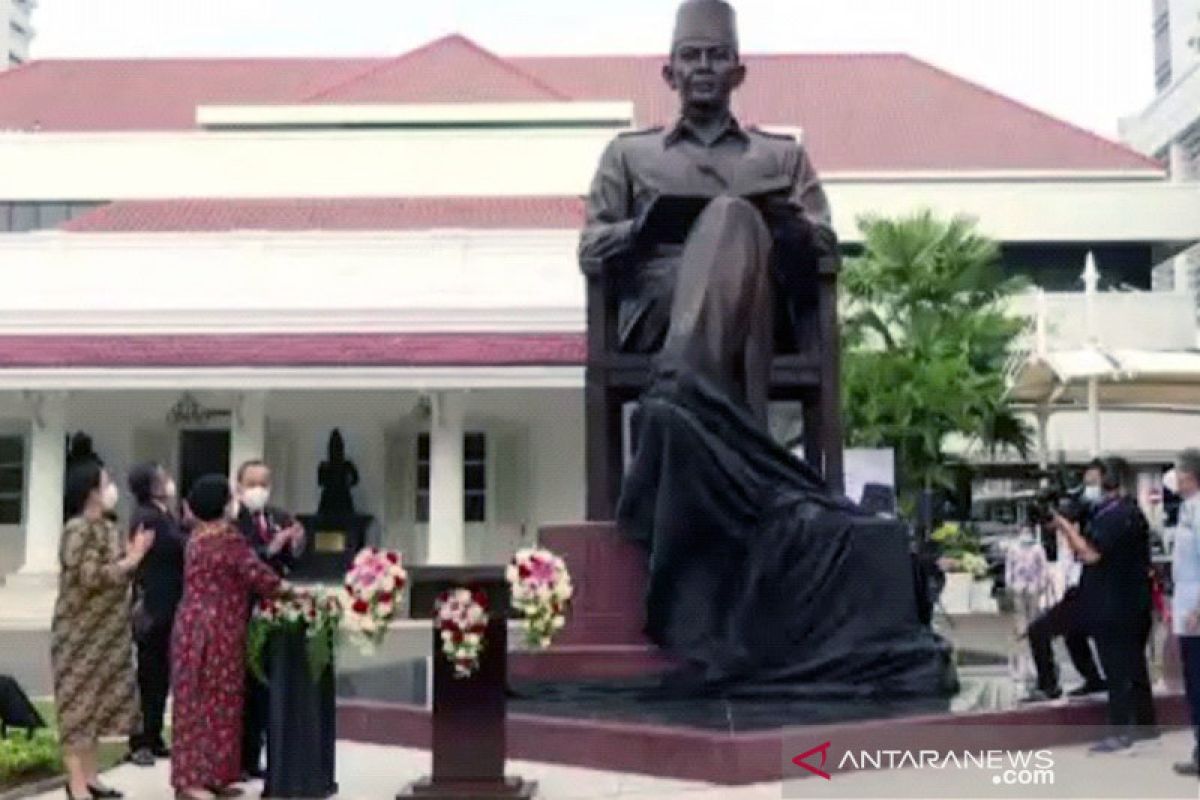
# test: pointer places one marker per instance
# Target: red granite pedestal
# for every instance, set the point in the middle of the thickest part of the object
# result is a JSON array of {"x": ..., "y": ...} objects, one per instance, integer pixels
[{"x": 603, "y": 636}]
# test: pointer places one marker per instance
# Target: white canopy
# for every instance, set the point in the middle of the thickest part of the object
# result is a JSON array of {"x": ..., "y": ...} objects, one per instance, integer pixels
[{"x": 1124, "y": 378}]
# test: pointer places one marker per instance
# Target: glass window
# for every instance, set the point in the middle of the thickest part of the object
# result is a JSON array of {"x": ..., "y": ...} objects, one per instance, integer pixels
[
  {"x": 29, "y": 216},
  {"x": 474, "y": 477},
  {"x": 12, "y": 479},
  {"x": 24, "y": 217}
]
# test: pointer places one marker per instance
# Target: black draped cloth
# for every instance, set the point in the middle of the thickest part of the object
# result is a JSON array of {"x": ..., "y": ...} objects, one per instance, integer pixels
[
  {"x": 762, "y": 582},
  {"x": 302, "y": 727}
]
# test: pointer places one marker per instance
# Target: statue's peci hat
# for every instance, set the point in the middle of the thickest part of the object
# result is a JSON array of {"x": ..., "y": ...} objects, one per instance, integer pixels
[{"x": 705, "y": 20}]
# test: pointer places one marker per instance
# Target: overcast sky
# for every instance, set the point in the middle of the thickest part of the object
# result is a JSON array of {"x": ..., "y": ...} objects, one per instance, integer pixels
[{"x": 1087, "y": 61}]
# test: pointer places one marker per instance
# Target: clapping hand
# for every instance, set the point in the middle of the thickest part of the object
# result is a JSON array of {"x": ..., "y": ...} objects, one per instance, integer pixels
[{"x": 139, "y": 544}]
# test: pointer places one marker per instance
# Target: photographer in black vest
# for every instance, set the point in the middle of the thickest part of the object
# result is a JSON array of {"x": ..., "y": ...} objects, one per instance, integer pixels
[{"x": 1114, "y": 591}]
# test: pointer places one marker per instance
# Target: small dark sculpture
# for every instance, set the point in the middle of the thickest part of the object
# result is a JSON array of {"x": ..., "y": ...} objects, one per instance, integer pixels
[
  {"x": 336, "y": 477},
  {"x": 81, "y": 451}
]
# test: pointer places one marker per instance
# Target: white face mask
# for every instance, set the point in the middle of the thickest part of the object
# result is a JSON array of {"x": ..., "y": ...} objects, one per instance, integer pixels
[
  {"x": 1092, "y": 493},
  {"x": 109, "y": 496},
  {"x": 255, "y": 498}
]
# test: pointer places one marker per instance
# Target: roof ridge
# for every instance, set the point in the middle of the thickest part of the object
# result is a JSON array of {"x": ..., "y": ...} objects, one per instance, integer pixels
[
  {"x": 388, "y": 63},
  {"x": 1019, "y": 104},
  {"x": 660, "y": 56}
]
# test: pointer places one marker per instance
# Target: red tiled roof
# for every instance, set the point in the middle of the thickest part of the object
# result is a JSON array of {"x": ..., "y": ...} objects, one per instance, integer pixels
[
  {"x": 299, "y": 350},
  {"x": 347, "y": 214},
  {"x": 859, "y": 112},
  {"x": 454, "y": 67}
]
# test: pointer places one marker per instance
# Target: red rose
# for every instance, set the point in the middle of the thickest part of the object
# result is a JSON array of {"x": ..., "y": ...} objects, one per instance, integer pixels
[
  {"x": 393, "y": 558},
  {"x": 361, "y": 607},
  {"x": 480, "y": 598}
]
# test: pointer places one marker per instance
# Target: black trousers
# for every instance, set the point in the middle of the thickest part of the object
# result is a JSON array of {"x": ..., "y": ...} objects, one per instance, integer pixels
[
  {"x": 1122, "y": 647},
  {"x": 1063, "y": 619},
  {"x": 254, "y": 723},
  {"x": 1189, "y": 650},
  {"x": 154, "y": 684}
]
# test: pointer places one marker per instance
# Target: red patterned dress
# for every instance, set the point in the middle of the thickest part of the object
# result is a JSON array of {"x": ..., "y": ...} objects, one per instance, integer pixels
[{"x": 208, "y": 655}]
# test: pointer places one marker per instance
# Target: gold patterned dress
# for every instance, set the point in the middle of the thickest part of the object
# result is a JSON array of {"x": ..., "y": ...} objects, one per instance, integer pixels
[{"x": 91, "y": 647}]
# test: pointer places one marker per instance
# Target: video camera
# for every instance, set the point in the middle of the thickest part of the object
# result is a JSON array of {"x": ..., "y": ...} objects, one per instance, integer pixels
[{"x": 1057, "y": 497}]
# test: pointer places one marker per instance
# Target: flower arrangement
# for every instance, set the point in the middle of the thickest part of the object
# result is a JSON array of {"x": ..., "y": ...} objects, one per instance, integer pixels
[
  {"x": 462, "y": 619},
  {"x": 372, "y": 593},
  {"x": 961, "y": 545},
  {"x": 541, "y": 590},
  {"x": 973, "y": 564},
  {"x": 315, "y": 613}
]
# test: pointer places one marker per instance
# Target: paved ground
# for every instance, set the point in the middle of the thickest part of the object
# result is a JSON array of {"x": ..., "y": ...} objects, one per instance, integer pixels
[{"x": 367, "y": 772}]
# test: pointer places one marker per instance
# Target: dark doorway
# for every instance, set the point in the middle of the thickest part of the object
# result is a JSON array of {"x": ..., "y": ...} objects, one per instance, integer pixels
[{"x": 201, "y": 453}]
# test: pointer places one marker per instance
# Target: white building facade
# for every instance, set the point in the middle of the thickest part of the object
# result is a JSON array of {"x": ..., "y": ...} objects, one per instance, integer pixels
[
  {"x": 16, "y": 32},
  {"x": 199, "y": 281},
  {"x": 1169, "y": 128}
]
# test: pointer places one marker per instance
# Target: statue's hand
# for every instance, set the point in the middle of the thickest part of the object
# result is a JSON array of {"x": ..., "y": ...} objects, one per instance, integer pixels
[{"x": 641, "y": 236}]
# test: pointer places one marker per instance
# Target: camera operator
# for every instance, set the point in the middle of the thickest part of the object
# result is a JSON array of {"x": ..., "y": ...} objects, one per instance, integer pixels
[
  {"x": 1066, "y": 617},
  {"x": 1114, "y": 591}
]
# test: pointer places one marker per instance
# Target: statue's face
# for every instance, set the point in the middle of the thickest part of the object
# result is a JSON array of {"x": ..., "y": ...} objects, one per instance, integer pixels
[{"x": 704, "y": 73}]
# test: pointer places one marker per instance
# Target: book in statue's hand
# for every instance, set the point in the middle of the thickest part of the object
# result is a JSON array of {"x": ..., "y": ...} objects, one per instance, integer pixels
[{"x": 670, "y": 218}]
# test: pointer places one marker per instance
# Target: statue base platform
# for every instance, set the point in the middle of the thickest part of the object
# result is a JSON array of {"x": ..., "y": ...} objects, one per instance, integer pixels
[
  {"x": 330, "y": 546},
  {"x": 603, "y": 637}
]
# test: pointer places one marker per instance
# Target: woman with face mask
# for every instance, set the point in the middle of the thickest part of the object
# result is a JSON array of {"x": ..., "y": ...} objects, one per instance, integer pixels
[
  {"x": 208, "y": 647},
  {"x": 90, "y": 652},
  {"x": 157, "y": 589}
]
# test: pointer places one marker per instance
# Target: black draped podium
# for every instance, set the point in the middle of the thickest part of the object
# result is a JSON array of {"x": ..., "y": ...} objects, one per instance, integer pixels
[
  {"x": 761, "y": 581},
  {"x": 302, "y": 728}
]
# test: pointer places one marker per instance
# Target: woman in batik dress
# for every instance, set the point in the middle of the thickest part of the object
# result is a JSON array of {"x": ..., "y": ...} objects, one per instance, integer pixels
[
  {"x": 208, "y": 653},
  {"x": 91, "y": 646}
]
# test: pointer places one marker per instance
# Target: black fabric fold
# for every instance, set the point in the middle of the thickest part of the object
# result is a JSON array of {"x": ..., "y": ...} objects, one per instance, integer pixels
[{"x": 762, "y": 581}]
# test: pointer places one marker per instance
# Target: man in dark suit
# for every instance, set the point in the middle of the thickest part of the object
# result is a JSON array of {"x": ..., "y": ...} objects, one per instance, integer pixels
[
  {"x": 158, "y": 588},
  {"x": 278, "y": 539}
]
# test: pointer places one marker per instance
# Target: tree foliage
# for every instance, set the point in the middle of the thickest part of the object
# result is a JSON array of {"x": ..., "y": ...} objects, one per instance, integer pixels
[{"x": 926, "y": 337}]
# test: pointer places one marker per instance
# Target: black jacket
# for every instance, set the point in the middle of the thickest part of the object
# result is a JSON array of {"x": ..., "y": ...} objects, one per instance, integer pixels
[
  {"x": 1116, "y": 589},
  {"x": 159, "y": 581},
  {"x": 282, "y": 562}
]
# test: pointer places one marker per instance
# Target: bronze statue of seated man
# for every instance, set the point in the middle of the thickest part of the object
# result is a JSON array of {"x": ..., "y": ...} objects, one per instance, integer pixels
[{"x": 715, "y": 283}]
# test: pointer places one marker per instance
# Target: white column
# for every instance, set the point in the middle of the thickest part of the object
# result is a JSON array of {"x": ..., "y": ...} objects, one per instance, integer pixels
[
  {"x": 447, "y": 540},
  {"x": 248, "y": 430},
  {"x": 47, "y": 473}
]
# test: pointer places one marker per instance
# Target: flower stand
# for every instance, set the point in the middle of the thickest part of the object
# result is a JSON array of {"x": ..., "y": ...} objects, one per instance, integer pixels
[
  {"x": 982, "y": 601},
  {"x": 469, "y": 714},
  {"x": 956, "y": 594},
  {"x": 302, "y": 730}
]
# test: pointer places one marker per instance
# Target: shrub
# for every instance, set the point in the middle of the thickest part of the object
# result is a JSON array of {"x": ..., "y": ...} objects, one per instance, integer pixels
[{"x": 24, "y": 758}]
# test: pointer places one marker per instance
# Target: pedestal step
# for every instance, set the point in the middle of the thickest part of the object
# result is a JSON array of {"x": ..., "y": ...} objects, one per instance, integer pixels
[{"x": 588, "y": 662}]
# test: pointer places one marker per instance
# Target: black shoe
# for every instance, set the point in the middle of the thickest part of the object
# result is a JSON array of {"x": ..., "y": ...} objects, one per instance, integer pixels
[
  {"x": 1188, "y": 768},
  {"x": 161, "y": 751},
  {"x": 142, "y": 757},
  {"x": 1087, "y": 689},
  {"x": 255, "y": 774},
  {"x": 105, "y": 793},
  {"x": 70, "y": 796},
  {"x": 1042, "y": 695}
]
